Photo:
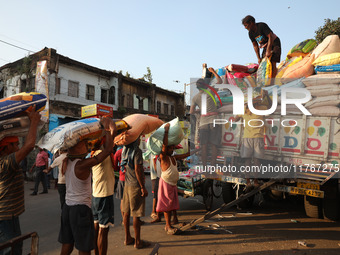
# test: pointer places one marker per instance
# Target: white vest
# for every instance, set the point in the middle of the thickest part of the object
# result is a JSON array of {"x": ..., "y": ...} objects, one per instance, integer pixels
[{"x": 78, "y": 192}]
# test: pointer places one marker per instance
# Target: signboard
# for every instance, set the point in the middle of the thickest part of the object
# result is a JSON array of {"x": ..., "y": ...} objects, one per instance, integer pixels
[{"x": 96, "y": 110}]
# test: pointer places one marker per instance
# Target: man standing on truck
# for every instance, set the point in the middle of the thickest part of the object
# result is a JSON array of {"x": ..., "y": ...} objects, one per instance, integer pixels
[
  {"x": 207, "y": 132},
  {"x": 252, "y": 145},
  {"x": 263, "y": 37}
]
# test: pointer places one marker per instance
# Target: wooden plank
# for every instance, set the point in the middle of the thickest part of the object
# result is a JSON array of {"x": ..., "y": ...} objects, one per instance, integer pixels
[
  {"x": 155, "y": 249},
  {"x": 211, "y": 214}
]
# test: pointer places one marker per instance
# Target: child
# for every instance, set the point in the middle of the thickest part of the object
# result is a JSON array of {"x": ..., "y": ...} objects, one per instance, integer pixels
[{"x": 167, "y": 191}]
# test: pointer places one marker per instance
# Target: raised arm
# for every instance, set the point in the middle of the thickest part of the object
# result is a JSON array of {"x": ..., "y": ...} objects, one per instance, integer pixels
[
  {"x": 218, "y": 78},
  {"x": 30, "y": 138},
  {"x": 83, "y": 167},
  {"x": 185, "y": 155},
  {"x": 165, "y": 159}
]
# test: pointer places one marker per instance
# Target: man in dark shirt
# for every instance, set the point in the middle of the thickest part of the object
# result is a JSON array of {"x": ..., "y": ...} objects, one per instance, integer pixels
[
  {"x": 263, "y": 37},
  {"x": 133, "y": 203},
  {"x": 12, "y": 183}
]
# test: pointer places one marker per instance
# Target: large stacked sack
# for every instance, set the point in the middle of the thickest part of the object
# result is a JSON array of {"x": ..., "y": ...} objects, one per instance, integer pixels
[
  {"x": 297, "y": 64},
  {"x": 241, "y": 76},
  {"x": 309, "y": 59},
  {"x": 325, "y": 90},
  {"x": 290, "y": 109},
  {"x": 140, "y": 124},
  {"x": 13, "y": 113},
  {"x": 90, "y": 129},
  {"x": 67, "y": 135},
  {"x": 325, "y": 84}
]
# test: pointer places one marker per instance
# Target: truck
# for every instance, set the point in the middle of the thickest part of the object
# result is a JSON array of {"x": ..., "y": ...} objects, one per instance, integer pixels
[
  {"x": 306, "y": 149},
  {"x": 302, "y": 153}
]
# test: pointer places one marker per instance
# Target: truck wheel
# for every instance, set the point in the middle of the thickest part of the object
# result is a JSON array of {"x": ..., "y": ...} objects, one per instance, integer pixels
[
  {"x": 275, "y": 195},
  {"x": 217, "y": 188},
  {"x": 228, "y": 192},
  {"x": 331, "y": 201},
  {"x": 208, "y": 194},
  {"x": 313, "y": 207}
]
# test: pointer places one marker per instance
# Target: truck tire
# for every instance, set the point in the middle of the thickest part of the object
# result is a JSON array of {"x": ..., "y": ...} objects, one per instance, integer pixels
[
  {"x": 275, "y": 195},
  {"x": 228, "y": 192},
  {"x": 313, "y": 207},
  {"x": 208, "y": 194},
  {"x": 331, "y": 201}
]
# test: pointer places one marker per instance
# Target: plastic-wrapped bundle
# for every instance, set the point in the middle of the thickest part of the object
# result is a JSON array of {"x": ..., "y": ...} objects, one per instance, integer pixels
[
  {"x": 16, "y": 127},
  {"x": 327, "y": 69},
  {"x": 16, "y": 105},
  {"x": 155, "y": 141}
]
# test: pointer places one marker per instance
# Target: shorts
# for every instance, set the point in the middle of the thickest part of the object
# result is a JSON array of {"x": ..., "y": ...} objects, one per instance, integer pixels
[
  {"x": 10, "y": 229},
  {"x": 133, "y": 202},
  {"x": 155, "y": 185},
  {"x": 252, "y": 147},
  {"x": 120, "y": 189},
  {"x": 210, "y": 134},
  {"x": 103, "y": 211},
  {"x": 276, "y": 56},
  {"x": 77, "y": 227}
]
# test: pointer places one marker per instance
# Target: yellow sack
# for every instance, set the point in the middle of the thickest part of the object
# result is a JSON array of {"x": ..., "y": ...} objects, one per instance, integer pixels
[
  {"x": 264, "y": 73},
  {"x": 327, "y": 60}
]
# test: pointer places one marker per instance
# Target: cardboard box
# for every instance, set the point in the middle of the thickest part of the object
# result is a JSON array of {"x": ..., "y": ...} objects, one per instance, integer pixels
[{"x": 96, "y": 110}]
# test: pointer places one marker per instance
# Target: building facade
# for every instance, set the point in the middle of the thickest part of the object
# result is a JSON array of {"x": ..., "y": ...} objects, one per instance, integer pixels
[{"x": 72, "y": 84}]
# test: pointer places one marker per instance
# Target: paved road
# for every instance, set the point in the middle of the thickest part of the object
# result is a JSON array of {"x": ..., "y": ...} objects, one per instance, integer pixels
[{"x": 262, "y": 230}]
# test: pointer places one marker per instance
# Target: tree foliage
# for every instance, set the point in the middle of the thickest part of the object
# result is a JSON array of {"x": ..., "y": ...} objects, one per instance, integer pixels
[
  {"x": 331, "y": 27},
  {"x": 148, "y": 76}
]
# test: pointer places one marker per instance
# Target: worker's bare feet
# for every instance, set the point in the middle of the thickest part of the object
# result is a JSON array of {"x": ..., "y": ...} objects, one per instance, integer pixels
[{"x": 129, "y": 241}]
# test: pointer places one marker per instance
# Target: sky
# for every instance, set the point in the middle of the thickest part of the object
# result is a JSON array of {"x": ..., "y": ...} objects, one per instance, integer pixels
[{"x": 173, "y": 38}]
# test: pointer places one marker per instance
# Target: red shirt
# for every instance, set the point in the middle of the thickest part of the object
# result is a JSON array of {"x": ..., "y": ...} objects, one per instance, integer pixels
[
  {"x": 42, "y": 158},
  {"x": 116, "y": 165}
]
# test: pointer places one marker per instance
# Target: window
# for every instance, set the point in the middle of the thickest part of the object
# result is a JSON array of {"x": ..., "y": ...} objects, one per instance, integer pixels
[
  {"x": 73, "y": 89},
  {"x": 166, "y": 109},
  {"x": 135, "y": 101},
  {"x": 146, "y": 104},
  {"x": 172, "y": 109},
  {"x": 23, "y": 86},
  {"x": 90, "y": 92},
  {"x": 57, "y": 86},
  {"x": 104, "y": 94},
  {"x": 158, "y": 107},
  {"x": 112, "y": 95}
]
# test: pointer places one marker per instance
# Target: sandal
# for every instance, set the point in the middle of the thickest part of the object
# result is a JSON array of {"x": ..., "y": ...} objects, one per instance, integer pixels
[
  {"x": 143, "y": 244},
  {"x": 153, "y": 215},
  {"x": 171, "y": 231}
]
